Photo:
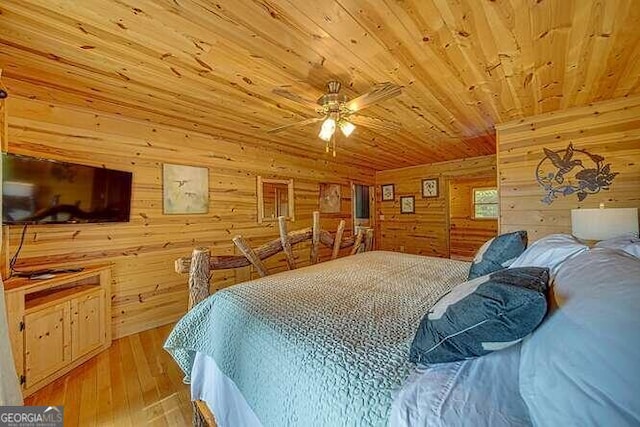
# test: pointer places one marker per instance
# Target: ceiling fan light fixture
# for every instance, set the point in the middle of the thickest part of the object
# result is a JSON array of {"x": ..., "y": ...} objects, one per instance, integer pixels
[
  {"x": 327, "y": 129},
  {"x": 346, "y": 127}
]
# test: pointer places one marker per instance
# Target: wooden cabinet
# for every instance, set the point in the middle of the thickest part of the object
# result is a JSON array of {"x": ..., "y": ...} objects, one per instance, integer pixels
[
  {"x": 87, "y": 323},
  {"x": 47, "y": 336},
  {"x": 58, "y": 323}
]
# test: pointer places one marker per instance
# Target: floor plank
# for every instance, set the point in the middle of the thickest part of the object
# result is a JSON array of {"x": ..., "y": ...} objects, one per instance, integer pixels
[{"x": 133, "y": 383}]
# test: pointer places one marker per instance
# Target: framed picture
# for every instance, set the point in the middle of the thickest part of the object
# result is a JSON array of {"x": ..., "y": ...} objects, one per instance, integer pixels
[
  {"x": 185, "y": 189},
  {"x": 430, "y": 187},
  {"x": 407, "y": 204},
  {"x": 330, "y": 198},
  {"x": 388, "y": 192}
]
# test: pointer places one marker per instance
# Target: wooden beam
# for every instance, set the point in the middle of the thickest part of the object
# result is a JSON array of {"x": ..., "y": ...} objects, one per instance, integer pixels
[
  {"x": 264, "y": 251},
  {"x": 315, "y": 239},
  {"x": 328, "y": 240},
  {"x": 199, "y": 276},
  {"x": 249, "y": 253},
  {"x": 337, "y": 240}
]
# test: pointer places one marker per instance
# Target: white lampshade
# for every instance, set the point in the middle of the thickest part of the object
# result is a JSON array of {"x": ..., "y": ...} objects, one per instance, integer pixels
[
  {"x": 602, "y": 224},
  {"x": 327, "y": 129},
  {"x": 347, "y": 127}
]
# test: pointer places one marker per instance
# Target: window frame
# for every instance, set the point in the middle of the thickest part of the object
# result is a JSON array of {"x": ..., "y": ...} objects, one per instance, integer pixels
[{"x": 473, "y": 203}]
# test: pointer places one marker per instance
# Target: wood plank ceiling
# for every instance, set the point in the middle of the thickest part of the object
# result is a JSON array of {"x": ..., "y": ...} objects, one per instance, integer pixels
[{"x": 465, "y": 65}]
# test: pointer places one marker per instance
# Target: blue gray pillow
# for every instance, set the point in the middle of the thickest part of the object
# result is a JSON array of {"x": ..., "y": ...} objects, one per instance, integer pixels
[
  {"x": 482, "y": 315},
  {"x": 498, "y": 253}
]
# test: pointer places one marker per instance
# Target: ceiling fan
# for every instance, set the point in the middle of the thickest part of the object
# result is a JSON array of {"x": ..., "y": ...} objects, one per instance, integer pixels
[{"x": 336, "y": 110}]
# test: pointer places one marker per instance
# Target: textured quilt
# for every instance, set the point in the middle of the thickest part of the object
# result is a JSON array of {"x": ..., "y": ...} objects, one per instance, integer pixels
[{"x": 325, "y": 345}]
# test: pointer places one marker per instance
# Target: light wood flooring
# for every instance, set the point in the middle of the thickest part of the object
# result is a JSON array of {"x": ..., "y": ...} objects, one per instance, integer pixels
[{"x": 133, "y": 383}]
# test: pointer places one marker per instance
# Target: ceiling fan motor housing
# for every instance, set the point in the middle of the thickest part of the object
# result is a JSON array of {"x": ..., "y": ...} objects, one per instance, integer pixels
[{"x": 332, "y": 101}]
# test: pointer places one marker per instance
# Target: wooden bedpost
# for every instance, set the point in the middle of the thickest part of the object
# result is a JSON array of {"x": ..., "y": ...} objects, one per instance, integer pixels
[
  {"x": 250, "y": 254},
  {"x": 198, "y": 276},
  {"x": 357, "y": 243},
  {"x": 286, "y": 244},
  {"x": 315, "y": 237},
  {"x": 368, "y": 240},
  {"x": 202, "y": 415},
  {"x": 338, "y": 240}
]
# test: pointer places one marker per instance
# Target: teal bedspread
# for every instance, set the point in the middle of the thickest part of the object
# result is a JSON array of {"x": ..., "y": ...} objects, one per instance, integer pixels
[{"x": 324, "y": 345}]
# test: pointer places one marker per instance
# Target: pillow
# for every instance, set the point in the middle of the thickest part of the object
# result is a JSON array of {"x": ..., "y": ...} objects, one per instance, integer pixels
[
  {"x": 498, "y": 253},
  {"x": 550, "y": 252},
  {"x": 581, "y": 366},
  {"x": 481, "y": 392},
  {"x": 482, "y": 315},
  {"x": 630, "y": 243}
]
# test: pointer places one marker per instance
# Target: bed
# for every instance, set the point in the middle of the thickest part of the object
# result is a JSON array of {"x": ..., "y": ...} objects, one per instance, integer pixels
[{"x": 328, "y": 345}]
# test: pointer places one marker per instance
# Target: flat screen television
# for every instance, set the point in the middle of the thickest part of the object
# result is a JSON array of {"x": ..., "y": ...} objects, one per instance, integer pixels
[{"x": 41, "y": 191}]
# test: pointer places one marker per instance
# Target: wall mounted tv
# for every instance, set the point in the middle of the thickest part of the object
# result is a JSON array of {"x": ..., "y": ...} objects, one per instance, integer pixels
[{"x": 40, "y": 191}]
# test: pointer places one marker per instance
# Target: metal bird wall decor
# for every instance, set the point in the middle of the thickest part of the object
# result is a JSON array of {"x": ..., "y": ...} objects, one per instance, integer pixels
[{"x": 572, "y": 171}]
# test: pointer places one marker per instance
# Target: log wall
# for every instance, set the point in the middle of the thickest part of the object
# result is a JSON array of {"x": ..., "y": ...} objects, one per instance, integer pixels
[
  {"x": 427, "y": 231},
  {"x": 146, "y": 290},
  {"x": 610, "y": 129}
]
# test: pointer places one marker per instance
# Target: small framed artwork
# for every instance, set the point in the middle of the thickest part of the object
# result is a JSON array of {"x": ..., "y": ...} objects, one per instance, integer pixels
[
  {"x": 430, "y": 188},
  {"x": 407, "y": 204},
  {"x": 330, "y": 198},
  {"x": 185, "y": 188},
  {"x": 388, "y": 192}
]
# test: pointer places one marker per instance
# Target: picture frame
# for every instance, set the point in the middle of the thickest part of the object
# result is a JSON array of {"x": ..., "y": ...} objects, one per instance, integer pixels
[
  {"x": 430, "y": 188},
  {"x": 185, "y": 189},
  {"x": 407, "y": 204},
  {"x": 388, "y": 192},
  {"x": 330, "y": 198}
]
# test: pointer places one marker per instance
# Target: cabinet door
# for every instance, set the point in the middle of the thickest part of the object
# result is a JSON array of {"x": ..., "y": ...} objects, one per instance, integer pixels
[
  {"x": 87, "y": 323},
  {"x": 47, "y": 338}
]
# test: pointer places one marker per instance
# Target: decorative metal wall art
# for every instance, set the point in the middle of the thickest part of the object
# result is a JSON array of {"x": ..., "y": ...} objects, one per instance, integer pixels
[{"x": 572, "y": 171}]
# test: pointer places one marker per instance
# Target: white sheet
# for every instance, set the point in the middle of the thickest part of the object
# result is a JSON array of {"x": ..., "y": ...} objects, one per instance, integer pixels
[{"x": 224, "y": 399}]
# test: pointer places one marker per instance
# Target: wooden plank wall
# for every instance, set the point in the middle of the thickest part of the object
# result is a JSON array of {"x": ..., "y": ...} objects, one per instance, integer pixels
[
  {"x": 468, "y": 233},
  {"x": 427, "y": 231},
  {"x": 146, "y": 291},
  {"x": 610, "y": 129}
]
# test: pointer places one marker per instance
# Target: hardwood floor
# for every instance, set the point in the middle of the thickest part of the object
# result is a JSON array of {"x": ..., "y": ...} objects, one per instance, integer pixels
[{"x": 134, "y": 383}]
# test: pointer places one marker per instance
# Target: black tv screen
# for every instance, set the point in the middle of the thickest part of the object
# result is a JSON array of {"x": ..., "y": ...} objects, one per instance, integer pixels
[{"x": 40, "y": 191}]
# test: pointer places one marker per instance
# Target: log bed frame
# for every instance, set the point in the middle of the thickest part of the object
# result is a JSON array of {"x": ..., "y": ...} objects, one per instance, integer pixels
[{"x": 201, "y": 263}]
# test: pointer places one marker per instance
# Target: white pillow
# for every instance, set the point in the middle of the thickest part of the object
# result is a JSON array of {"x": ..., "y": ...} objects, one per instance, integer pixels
[
  {"x": 580, "y": 367},
  {"x": 630, "y": 243},
  {"x": 550, "y": 252}
]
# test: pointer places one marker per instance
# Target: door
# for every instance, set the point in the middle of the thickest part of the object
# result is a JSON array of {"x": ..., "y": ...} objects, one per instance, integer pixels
[
  {"x": 87, "y": 323},
  {"x": 363, "y": 208},
  {"x": 473, "y": 214},
  {"x": 47, "y": 341}
]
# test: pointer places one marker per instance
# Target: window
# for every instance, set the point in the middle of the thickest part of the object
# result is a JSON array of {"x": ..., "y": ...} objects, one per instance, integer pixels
[{"x": 485, "y": 203}]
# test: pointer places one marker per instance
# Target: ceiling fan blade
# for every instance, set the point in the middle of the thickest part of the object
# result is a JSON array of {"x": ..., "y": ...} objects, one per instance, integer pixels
[
  {"x": 375, "y": 123},
  {"x": 297, "y": 124},
  {"x": 379, "y": 93},
  {"x": 296, "y": 98}
]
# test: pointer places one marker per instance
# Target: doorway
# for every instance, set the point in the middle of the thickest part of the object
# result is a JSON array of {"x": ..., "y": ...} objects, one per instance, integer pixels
[
  {"x": 473, "y": 214},
  {"x": 362, "y": 197}
]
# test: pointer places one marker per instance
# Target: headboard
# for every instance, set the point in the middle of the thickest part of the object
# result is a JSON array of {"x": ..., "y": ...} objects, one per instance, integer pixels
[{"x": 200, "y": 264}]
